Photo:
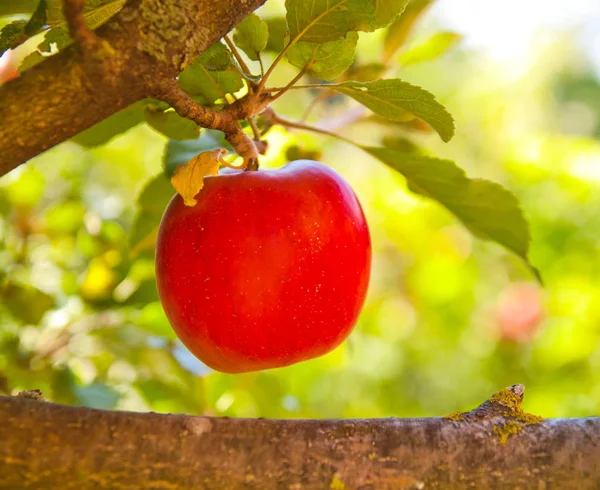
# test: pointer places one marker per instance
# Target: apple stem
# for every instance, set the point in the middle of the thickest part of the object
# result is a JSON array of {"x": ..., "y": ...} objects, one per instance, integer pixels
[
  {"x": 251, "y": 165},
  {"x": 225, "y": 163}
]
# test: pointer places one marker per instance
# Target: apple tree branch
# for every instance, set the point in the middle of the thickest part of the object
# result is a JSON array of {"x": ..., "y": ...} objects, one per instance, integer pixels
[
  {"x": 494, "y": 446},
  {"x": 149, "y": 42}
]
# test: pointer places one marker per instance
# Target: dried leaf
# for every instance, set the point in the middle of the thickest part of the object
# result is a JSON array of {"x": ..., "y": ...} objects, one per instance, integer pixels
[{"x": 188, "y": 178}]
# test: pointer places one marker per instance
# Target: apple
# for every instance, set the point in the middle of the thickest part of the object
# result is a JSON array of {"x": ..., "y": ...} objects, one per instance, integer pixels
[
  {"x": 519, "y": 312},
  {"x": 268, "y": 269}
]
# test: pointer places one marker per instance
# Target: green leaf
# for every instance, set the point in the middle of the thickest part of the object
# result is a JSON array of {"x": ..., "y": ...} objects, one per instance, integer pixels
[
  {"x": 394, "y": 98},
  {"x": 178, "y": 152},
  {"x": 30, "y": 60},
  {"x": 57, "y": 38},
  {"x": 319, "y": 21},
  {"x": 153, "y": 320},
  {"x": 112, "y": 126},
  {"x": 365, "y": 73},
  {"x": 399, "y": 31},
  {"x": 277, "y": 27},
  {"x": 329, "y": 60},
  {"x": 211, "y": 76},
  {"x": 146, "y": 292},
  {"x": 251, "y": 36},
  {"x": 487, "y": 209},
  {"x": 25, "y": 302},
  {"x": 209, "y": 86},
  {"x": 65, "y": 217},
  {"x": 37, "y": 20},
  {"x": 172, "y": 125},
  {"x": 409, "y": 123},
  {"x": 398, "y": 143},
  {"x": 95, "y": 12},
  {"x": 217, "y": 57},
  {"x": 12, "y": 35},
  {"x": 152, "y": 201},
  {"x": 27, "y": 189},
  {"x": 54, "y": 39},
  {"x": 19, "y": 31},
  {"x": 432, "y": 48},
  {"x": 15, "y": 7}
]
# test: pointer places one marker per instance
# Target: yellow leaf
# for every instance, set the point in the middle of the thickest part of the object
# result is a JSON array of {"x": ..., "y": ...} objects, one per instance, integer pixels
[{"x": 188, "y": 178}]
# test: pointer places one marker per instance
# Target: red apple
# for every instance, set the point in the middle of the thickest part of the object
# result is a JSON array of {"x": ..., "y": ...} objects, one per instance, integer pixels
[
  {"x": 519, "y": 312},
  {"x": 268, "y": 269}
]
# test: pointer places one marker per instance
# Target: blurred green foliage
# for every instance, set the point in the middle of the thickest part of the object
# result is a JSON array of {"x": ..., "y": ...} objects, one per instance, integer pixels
[{"x": 449, "y": 319}]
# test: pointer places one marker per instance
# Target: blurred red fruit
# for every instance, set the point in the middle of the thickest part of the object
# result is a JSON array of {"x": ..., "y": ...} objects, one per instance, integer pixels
[{"x": 519, "y": 312}]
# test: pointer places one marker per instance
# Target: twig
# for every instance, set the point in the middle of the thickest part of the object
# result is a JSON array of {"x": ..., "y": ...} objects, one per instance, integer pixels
[
  {"x": 293, "y": 81},
  {"x": 292, "y": 42},
  {"x": 270, "y": 90},
  {"x": 79, "y": 31},
  {"x": 262, "y": 67},
  {"x": 222, "y": 120},
  {"x": 98, "y": 54},
  {"x": 273, "y": 118},
  {"x": 255, "y": 130},
  {"x": 317, "y": 100},
  {"x": 261, "y": 145},
  {"x": 237, "y": 55}
]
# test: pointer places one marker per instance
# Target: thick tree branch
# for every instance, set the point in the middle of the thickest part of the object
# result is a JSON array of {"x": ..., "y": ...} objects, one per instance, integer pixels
[
  {"x": 494, "y": 446},
  {"x": 152, "y": 41}
]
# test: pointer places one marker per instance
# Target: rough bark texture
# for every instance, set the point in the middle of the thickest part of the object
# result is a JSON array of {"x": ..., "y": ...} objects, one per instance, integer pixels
[
  {"x": 153, "y": 40},
  {"x": 494, "y": 446}
]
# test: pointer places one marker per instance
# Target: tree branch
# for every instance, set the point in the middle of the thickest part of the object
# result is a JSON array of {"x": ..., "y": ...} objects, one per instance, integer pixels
[
  {"x": 495, "y": 446},
  {"x": 79, "y": 31},
  {"x": 152, "y": 40},
  {"x": 221, "y": 120}
]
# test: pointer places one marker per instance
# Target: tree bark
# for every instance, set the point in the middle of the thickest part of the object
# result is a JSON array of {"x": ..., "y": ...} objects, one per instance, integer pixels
[
  {"x": 497, "y": 445},
  {"x": 149, "y": 41}
]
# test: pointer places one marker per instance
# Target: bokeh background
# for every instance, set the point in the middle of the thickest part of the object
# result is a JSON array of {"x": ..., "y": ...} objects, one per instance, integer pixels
[{"x": 449, "y": 319}]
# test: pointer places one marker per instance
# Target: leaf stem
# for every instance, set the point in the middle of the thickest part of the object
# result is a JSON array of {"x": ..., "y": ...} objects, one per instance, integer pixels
[
  {"x": 237, "y": 55},
  {"x": 273, "y": 118},
  {"x": 262, "y": 66},
  {"x": 255, "y": 130},
  {"x": 293, "y": 81},
  {"x": 316, "y": 101},
  {"x": 308, "y": 85}
]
